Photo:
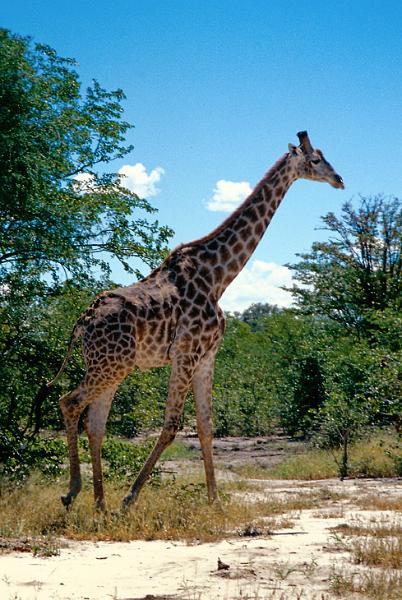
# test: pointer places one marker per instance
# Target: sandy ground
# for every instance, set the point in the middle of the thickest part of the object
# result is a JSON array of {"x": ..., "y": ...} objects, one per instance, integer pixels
[{"x": 275, "y": 567}]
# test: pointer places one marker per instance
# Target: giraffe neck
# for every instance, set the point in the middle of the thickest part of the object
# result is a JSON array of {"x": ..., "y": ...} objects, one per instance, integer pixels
[{"x": 225, "y": 251}]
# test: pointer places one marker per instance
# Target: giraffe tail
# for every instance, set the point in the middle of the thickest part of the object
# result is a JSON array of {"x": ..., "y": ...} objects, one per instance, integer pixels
[{"x": 77, "y": 332}]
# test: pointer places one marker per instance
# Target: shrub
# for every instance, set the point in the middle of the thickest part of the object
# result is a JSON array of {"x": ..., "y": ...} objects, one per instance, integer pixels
[
  {"x": 43, "y": 454},
  {"x": 124, "y": 459}
]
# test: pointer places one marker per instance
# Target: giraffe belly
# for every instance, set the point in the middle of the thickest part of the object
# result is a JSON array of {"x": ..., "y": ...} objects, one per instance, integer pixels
[{"x": 145, "y": 360}]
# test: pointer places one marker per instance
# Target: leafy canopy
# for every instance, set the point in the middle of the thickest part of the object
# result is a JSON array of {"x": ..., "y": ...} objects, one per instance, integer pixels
[
  {"x": 357, "y": 272},
  {"x": 53, "y": 219}
]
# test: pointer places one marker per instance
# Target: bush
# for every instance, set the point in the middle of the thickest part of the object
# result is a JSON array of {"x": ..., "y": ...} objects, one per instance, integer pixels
[
  {"x": 22, "y": 456},
  {"x": 123, "y": 459}
]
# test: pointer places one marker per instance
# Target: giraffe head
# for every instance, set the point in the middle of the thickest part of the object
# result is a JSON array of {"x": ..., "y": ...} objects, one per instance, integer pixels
[{"x": 310, "y": 163}]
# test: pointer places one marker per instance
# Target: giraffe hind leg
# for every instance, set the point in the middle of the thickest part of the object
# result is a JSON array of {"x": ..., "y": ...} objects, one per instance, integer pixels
[
  {"x": 72, "y": 405},
  {"x": 96, "y": 392},
  {"x": 95, "y": 425}
]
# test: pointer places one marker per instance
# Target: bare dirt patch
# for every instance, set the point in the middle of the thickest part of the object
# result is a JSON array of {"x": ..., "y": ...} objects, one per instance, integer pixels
[{"x": 231, "y": 452}]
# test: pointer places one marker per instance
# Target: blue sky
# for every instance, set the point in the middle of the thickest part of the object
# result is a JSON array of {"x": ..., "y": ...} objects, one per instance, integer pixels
[{"x": 217, "y": 89}]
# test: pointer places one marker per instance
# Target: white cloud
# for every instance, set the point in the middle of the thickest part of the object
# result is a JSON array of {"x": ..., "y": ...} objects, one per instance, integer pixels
[
  {"x": 137, "y": 180},
  {"x": 134, "y": 177},
  {"x": 259, "y": 283},
  {"x": 83, "y": 182},
  {"x": 228, "y": 195}
]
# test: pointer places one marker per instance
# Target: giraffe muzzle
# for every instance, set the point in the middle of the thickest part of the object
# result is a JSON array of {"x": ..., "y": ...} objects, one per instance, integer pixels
[{"x": 338, "y": 182}]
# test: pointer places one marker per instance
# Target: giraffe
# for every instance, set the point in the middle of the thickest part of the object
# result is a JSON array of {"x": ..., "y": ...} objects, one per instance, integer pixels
[{"x": 172, "y": 316}]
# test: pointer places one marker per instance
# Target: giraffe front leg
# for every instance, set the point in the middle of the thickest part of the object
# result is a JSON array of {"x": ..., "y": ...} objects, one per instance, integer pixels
[
  {"x": 202, "y": 389},
  {"x": 179, "y": 383}
]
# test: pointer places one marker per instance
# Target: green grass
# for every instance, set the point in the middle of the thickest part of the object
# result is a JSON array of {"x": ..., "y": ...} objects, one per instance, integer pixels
[{"x": 313, "y": 464}]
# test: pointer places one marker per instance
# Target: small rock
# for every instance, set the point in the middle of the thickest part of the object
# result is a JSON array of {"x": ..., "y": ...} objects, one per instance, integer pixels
[{"x": 222, "y": 566}]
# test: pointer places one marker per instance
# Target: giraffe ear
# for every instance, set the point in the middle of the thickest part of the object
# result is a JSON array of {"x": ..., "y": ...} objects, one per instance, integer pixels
[{"x": 294, "y": 150}]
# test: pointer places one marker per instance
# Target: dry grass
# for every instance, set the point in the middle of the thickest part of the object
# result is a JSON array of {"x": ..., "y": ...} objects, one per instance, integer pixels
[
  {"x": 378, "y": 552},
  {"x": 378, "y": 529},
  {"x": 32, "y": 515},
  {"x": 373, "y": 458},
  {"x": 377, "y": 544},
  {"x": 368, "y": 458},
  {"x": 38, "y": 546},
  {"x": 275, "y": 594},
  {"x": 173, "y": 510},
  {"x": 375, "y": 502},
  {"x": 375, "y": 585},
  {"x": 332, "y": 513}
]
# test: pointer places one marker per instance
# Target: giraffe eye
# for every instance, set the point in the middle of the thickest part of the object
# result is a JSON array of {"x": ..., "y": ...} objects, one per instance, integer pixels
[{"x": 315, "y": 161}]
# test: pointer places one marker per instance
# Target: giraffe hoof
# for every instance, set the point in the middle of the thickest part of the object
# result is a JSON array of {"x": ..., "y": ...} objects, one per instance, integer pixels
[
  {"x": 66, "y": 501},
  {"x": 100, "y": 506},
  {"x": 127, "y": 502},
  {"x": 216, "y": 503}
]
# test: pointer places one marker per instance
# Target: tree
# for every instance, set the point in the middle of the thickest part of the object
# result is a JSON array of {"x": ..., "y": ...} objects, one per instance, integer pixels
[
  {"x": 339, "y": 423},
  {"x": 255, "y": 312},
  {"x": 362, "y": 391},
  {"x": 294, "y": 362},
  {"x": 358, "y": 271},
  {"x": 59, "y": 214},
  {"x": 354, "y": 282}
]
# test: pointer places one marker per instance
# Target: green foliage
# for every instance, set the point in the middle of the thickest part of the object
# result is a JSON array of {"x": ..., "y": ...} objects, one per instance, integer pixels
[
  {"x": 20, "y": 456},
  {"x": 332, "y": 368},
  {"x": 340, "y": 423},
  {"x": 59, "y": 214},
  {"x": 254, "y": 314},
  {"x": 242, "y": 398},
  {"x": 124, "y": 459},
  {"x": 140, "y": 402},
  {"x": 353, "y": 282},
  {"x": 179, "y": 450},
  {"x": 358, "y": 271},
  {"x": 295, "y": 369}
]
